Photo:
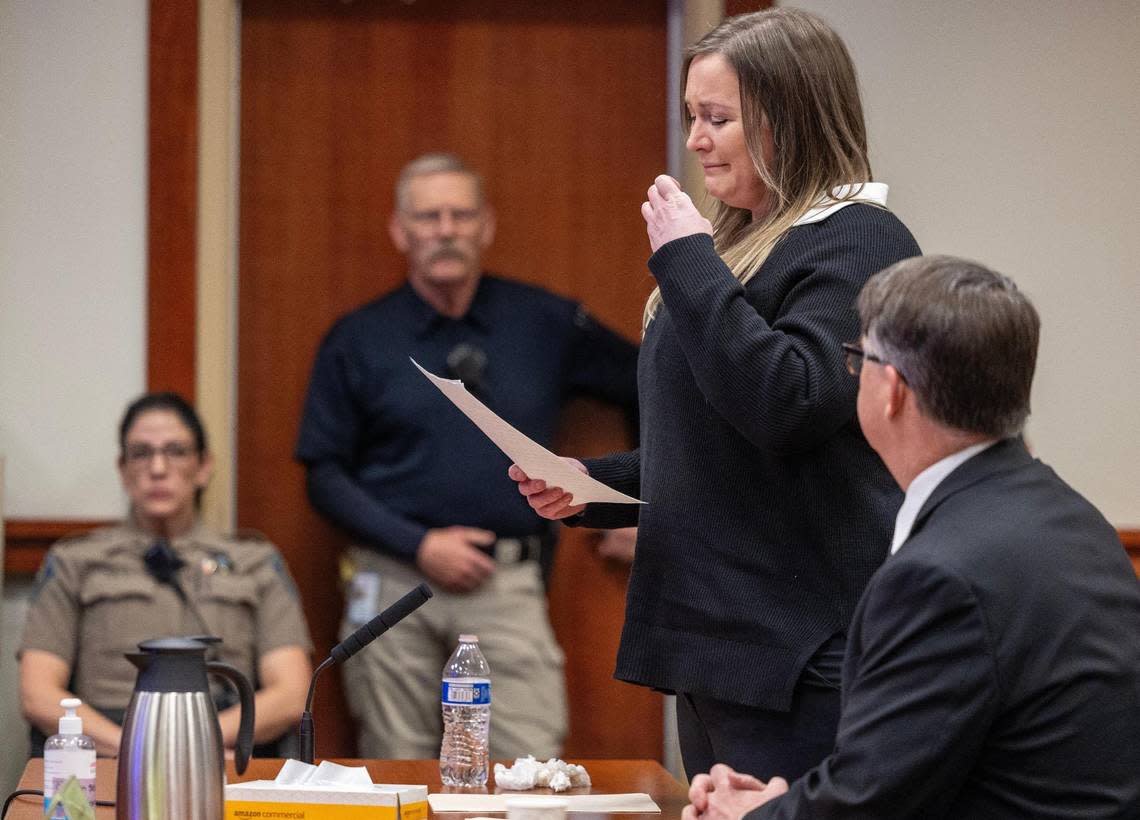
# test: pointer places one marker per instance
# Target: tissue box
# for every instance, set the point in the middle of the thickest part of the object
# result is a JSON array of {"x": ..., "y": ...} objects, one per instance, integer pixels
[
  {"x": 264, "y": 799},
  {"x": 413, "y": 802}
]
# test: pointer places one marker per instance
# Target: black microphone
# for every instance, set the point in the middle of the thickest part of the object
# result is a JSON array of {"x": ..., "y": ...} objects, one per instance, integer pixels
[
  {"x": 162, "y": 563},
  {"x": 380, "y": 624},
  {"x": 350, "y": 646},
  {"x": 468, "y": 364}
]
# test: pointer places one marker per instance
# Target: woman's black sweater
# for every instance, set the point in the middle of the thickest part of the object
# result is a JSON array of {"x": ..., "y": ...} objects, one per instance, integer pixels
[{"x": 767, "y": 510}]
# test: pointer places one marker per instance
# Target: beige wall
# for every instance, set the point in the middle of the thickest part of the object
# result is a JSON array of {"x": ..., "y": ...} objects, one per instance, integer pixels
[
  {"x": 1008, "y": 133},
  {"x": 72, "y": 248}
]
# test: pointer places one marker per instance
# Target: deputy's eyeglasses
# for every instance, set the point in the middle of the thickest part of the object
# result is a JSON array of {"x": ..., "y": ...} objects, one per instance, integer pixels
[
  {"x": 174, "y": 452},
  {"x": 853, "y": 357}
]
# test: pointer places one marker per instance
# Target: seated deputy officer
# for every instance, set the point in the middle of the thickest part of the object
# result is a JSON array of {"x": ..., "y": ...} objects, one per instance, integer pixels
[{"x": 159, "y": 574}]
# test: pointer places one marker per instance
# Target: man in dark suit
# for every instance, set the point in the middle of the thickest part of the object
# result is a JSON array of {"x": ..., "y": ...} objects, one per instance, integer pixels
[{"x": 993, "y": 663}]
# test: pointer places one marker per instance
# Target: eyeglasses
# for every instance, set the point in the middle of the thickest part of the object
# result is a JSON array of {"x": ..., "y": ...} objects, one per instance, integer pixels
[
  {"x": 174, "y": 452},
  {"x": 853, "y": 357},
  {"x": 428, "y": 221}
]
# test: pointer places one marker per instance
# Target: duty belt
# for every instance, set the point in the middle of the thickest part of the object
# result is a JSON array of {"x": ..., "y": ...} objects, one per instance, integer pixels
[{"x": 516, "y": 550}]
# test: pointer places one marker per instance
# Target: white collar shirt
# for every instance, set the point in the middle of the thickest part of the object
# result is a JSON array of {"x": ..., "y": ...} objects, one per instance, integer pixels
[
  {"x": 926, "y": 483},
  {"x": 872, "y": 192}
]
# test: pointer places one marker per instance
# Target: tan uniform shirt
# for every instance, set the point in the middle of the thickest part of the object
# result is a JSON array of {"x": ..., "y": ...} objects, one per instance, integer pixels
[{"x": 95, "y": 601}]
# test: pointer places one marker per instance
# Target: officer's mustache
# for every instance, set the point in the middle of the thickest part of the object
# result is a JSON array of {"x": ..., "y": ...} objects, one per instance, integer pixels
[{"x": 448, "y": 251}]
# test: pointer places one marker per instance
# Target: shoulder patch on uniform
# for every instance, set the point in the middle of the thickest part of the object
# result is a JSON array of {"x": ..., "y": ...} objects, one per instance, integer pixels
[
  {"x": 45, "y": 573},
  {"x": 278, "y": 564}
]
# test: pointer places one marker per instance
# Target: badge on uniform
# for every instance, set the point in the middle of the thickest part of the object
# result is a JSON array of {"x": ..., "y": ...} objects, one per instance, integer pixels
[
  {"x": 362, "y": 597},
  {"x": 217, "y": 562}
]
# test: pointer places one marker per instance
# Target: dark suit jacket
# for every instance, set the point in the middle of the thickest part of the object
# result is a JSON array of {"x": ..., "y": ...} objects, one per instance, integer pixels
[{"x": 993, "y": 664}]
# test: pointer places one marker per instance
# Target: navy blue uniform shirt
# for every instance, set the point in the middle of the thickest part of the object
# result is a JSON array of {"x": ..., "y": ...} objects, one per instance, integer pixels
[{"x": 389, "y": 457}]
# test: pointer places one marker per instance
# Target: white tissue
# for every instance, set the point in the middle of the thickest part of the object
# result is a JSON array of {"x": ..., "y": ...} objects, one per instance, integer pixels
[
  {"x": 528, "y": 773},
  {"x": 560, "y": 781},
  {"x": 328, "y": 774}
]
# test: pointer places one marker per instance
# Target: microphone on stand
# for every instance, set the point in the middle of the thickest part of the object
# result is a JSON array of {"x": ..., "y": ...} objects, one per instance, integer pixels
[{"x": 350, "y": 646}]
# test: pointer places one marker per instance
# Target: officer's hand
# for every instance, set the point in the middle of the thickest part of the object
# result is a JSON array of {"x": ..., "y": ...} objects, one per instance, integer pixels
[
  {"x": 549, "y": 502},
  {"x": 451, "y": 559},
  {"x": 670, "y": 213}
]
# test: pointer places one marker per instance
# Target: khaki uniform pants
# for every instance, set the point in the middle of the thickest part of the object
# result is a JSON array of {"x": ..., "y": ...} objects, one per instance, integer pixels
[{"x": 393, "y": 685}]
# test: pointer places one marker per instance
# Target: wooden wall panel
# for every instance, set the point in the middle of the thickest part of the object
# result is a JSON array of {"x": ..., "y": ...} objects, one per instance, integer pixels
[
  {"x": 562, "y": 106},
  {"x": 27, "y": 539},
  {"x": 172, "y": 196},
  {"x": 1131, "y": 540}
]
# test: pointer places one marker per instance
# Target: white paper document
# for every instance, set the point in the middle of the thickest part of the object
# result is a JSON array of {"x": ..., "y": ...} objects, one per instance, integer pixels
[
  {"x": 534, "y": 459},
  {"x": 597, "y": 803}
]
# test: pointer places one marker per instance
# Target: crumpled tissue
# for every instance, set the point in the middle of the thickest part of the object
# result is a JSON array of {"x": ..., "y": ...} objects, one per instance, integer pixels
[{"x": 528, "y": 773}]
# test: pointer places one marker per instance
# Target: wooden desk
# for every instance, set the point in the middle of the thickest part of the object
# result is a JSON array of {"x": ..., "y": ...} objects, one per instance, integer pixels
[{"x": 608, "y": 776}]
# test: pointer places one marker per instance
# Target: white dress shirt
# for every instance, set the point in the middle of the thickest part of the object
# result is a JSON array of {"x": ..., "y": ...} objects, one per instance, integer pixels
[{"x": 924, "y": 484}]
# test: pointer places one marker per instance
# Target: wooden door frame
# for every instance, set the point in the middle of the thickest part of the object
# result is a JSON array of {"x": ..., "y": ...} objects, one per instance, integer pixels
[
  {"x": 172, "y": 197},
  {"x": 192, "y": 222}
]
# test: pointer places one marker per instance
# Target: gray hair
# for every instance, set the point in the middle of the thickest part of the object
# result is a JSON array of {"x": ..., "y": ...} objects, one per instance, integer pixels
[
  {"x": 962, "y": 336},
  {"x": 427, "y": 164}
]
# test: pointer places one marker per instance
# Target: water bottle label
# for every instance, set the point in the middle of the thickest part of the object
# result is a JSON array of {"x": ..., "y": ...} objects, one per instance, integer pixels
[{"x": 466, "y": 694}]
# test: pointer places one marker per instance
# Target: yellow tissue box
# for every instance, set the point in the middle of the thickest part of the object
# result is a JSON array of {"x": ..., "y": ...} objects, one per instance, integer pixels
[
  {"x": 265, "y": 800},
  {"x": 412, "y": 800}
]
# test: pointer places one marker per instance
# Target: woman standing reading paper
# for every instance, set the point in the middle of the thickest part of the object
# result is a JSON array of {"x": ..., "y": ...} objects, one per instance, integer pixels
[{"x": 767, "y": 511}]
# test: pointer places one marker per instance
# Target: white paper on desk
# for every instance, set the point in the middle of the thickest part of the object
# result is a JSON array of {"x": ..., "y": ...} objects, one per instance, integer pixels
[
  {"x": 597, "y": 803},
  {"x": 534, "y": 459}
]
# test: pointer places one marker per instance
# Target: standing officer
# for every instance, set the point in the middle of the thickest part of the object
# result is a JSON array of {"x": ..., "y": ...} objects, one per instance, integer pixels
[{"x": 422, "y": 491}]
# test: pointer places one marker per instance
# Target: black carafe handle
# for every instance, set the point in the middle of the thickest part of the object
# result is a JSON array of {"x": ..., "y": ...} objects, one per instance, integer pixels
[{"x": 244, "y": 747}]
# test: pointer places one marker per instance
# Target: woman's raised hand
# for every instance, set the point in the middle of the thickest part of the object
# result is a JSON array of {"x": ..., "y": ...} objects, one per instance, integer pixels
[
  {"x": 670, "y": 213},
  {"x": 549, "y": 502}
]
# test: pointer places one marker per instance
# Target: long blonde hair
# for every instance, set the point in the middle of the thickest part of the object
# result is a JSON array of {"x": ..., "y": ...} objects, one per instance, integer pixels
[{"x": 796, "y": 73}]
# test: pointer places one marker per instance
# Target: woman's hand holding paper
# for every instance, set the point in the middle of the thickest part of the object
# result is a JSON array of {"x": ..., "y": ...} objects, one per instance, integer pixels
[{"x": 549, "y": 502}]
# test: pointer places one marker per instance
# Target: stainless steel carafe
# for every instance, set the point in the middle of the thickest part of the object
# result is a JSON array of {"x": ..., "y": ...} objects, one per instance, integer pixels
[{"x": 171, "y": 764}]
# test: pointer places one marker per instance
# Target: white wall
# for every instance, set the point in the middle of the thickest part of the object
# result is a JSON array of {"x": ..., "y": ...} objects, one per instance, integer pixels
[
  {"x": 1010, "y": 133},
  {"x": 72, "y": 248}
]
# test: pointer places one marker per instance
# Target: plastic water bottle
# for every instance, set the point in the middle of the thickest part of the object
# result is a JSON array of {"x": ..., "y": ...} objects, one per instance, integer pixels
[
  {"x": 69, "y": 754},
  {"x": 466, "y": 699}
]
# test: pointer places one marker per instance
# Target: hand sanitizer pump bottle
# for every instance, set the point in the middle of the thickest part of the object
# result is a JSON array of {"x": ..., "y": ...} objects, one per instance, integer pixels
[{"x": 67, "y": 754}]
